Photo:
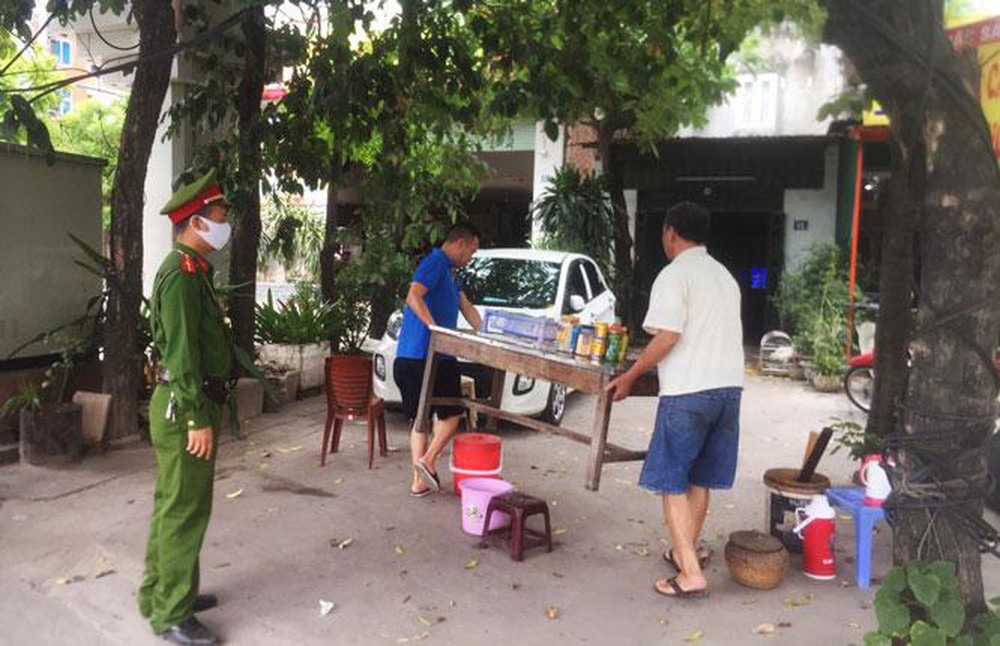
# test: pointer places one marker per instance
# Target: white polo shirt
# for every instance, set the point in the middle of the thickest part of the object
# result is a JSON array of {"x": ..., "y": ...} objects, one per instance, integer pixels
[{"x": 696, "y": 296}]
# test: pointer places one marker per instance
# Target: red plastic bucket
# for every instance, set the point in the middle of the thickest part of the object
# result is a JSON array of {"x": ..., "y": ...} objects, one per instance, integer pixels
[{"x": 475, "y": 455}]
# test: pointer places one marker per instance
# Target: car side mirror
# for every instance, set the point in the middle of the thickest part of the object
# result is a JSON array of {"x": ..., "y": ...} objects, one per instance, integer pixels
[{"x": 576, "y": 303}]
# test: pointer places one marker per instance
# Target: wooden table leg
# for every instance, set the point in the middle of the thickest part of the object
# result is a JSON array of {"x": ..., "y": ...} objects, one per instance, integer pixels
[
  {"x": 496, "y": 395},
  {"x": 598, "y": 440},
  {"x": 427, "y": 390}
]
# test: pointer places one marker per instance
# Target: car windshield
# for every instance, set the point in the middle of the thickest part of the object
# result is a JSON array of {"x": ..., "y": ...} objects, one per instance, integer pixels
[{"x": 511, "y": 282}]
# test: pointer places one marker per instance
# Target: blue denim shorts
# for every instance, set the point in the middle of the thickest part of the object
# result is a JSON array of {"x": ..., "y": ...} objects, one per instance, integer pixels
[{"x": 695, "y": 442}]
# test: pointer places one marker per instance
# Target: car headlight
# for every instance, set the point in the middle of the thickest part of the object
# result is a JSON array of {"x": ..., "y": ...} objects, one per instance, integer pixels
[
  {"x": 523, "y": 385},
  {"x": 380, "y": 367}
]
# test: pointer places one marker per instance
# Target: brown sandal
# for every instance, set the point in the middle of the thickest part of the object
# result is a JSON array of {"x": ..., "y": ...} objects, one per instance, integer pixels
[{"x": 679, "y": 592}]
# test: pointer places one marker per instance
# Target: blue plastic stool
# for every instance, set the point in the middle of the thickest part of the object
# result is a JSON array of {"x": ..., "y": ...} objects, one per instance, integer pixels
[{"x": 852, "y": 499}]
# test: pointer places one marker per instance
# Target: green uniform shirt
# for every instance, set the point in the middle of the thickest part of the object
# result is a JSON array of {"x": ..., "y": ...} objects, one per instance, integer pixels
[{"x": 190, "y": 333}]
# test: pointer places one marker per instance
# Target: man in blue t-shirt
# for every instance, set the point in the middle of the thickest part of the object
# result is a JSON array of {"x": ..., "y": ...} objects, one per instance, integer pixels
[{"x": 435, "y": 298}]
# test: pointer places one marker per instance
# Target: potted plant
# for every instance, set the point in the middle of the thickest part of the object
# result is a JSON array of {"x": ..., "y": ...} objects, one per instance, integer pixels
[
  {"x": 296, "y": 334},
  {"x": 349, "y": 364},
  {"x": 284, "y": 386},
  {"x": 828, "y": 341},
  {"x": 51, "y": 429}
]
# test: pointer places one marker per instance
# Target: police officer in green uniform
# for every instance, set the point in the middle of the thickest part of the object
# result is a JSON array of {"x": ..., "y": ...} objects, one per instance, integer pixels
[{"x": 194, "y": 361}]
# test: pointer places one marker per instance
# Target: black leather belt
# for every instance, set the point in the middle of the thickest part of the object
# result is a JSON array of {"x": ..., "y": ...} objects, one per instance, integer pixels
[{"x": 215, "y": 388}]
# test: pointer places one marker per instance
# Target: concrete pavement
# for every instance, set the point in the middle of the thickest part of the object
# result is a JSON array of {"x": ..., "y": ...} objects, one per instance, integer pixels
[{"x": 72, "y": 541}]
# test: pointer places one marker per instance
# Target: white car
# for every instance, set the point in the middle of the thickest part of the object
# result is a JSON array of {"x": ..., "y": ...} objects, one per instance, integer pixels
[{"x": 529, "y": 281}]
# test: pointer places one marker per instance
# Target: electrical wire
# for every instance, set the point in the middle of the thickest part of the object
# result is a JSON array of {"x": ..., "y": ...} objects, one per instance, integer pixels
[
  {"x": 93, "y": 23},
  {"x": 48, "y": 88}
]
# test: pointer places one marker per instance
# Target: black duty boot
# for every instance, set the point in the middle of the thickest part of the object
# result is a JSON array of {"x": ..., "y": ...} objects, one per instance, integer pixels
[
  {"x": 189, "y": 632},
  {"x": 205, "y": 602}
]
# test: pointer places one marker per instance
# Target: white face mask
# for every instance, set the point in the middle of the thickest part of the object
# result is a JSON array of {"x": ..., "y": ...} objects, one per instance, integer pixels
[{"x": 216, "y": 233}]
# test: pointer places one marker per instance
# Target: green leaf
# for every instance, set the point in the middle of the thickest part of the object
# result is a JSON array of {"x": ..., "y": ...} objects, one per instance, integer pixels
[
  {"x": 944, "y": 570},
  {"x": 949, "y": 616},
  {"x": 877, "y": 639},
  {"x": 964, "y": 640},
  {"x": 923, "y": 634},
  {"x": 894, "y": 582},
  {"x": 551, "y": 130},
  {"x": 995, "y": 640},
  {"x": 926, "y": 587},
  {"x": 893, "y": 617}
]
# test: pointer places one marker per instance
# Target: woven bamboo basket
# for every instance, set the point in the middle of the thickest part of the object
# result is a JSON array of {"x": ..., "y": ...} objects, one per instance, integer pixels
[{"x": 756, "y": 559}]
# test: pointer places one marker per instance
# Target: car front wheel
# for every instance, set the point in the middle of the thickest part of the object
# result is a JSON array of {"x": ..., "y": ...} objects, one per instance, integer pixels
[{"x": 556, "y": 406}]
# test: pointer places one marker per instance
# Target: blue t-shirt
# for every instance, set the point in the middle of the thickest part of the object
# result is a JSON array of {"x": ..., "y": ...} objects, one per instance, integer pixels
[{"x": 435, "y": 272}]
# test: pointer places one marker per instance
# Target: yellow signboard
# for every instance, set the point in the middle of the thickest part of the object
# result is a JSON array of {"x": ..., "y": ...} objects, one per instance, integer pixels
[
  {"x": 874, "y": 116},
  {"x": 985, "y": 37}
]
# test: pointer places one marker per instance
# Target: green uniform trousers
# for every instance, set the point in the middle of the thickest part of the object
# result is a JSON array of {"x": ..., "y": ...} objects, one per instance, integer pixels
[{"x": 182, "y": 504}]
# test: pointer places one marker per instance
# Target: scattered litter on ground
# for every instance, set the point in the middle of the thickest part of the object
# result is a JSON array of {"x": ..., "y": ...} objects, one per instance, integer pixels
[
  {"x": 471, "y": 564},
  {"x": 398, "y": 549},
  {"x": 764, "y": 629},
  {"x": 290, "y": 450},
  {"x": 326, "y": 607},
  {"x": 694, "y": 635},
  {"x": 235, "y": 494},
  {"x": 552, "y": 612}
]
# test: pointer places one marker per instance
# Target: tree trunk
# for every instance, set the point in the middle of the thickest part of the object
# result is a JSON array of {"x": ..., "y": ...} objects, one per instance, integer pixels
[
  {"x": 122, "y": 368},
  {"x": 622, "y": 251},
  {"x": 246, "y": 223},
  {"x": 892, "y": 334},
  {"x": 930, "y": 93}
]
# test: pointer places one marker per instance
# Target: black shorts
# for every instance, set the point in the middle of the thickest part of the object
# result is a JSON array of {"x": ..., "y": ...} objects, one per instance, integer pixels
[{"x": 409, "y": 376}]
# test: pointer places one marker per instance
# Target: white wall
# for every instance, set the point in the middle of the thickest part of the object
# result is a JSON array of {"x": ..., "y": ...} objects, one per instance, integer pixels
[
  {"x": 167, "y": 160},
  {"x": 549, "y": 156},
  {"x": 807, "y": 77},
  {"x": 817, "y": 208}
]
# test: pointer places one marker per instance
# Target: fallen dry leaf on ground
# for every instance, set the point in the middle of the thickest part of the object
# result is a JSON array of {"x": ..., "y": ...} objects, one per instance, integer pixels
[
  {"x": 558, "y": 530},
  {"x": 235, "y": 494},
  {"x": 338, "y": 481},
  {"x": 290, "y": 450},
  {"x": 104, "y": 573},
  {"x": 694, "y": 635},
  {"x": 399, "y": 549},
  {"x": 552, "y": 612},
  {"x": 796, "y": 603},
  {"x": 764, "y": 629},
  {"x": 471, "y": 564}
]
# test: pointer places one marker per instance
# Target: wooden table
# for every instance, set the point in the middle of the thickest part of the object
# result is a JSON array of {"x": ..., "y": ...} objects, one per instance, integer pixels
[{"x": 507, "y": 355}]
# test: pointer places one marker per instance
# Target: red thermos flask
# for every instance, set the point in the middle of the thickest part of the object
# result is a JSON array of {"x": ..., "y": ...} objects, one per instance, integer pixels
[{"x": 816, "y": 528}]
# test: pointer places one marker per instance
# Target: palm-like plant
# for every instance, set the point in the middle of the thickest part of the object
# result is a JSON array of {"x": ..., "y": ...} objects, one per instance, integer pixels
[{"x": 575, "y": 215}]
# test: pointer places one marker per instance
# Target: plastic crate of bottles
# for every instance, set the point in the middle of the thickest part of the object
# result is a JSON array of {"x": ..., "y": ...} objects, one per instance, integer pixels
[{"x": 536, "y": 328}]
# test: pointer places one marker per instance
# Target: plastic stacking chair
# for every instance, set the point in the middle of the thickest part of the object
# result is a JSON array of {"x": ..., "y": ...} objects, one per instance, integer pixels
[{"x": 349, "y": 398}]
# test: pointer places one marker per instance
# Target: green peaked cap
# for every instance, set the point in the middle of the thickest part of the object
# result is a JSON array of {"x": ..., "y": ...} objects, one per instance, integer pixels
[{"x": 188, "y": 192}]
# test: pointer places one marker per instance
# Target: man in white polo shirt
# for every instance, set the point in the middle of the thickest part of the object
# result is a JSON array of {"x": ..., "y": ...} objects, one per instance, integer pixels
[{"x": 694, "y": 315}]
